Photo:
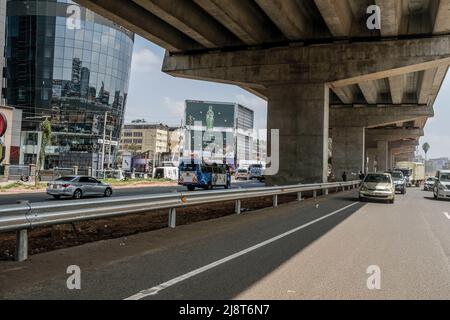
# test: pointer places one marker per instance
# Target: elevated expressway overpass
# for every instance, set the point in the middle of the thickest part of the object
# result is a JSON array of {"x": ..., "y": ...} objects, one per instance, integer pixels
[{"x": 322, "y": 71}]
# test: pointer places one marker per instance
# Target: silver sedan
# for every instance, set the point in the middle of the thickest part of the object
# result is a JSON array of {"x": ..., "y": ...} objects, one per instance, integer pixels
[{"x": 77, "y": 187}]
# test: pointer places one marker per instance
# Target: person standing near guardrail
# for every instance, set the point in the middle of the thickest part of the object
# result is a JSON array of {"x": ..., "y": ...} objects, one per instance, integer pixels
[{"x": 344, "y": 176}]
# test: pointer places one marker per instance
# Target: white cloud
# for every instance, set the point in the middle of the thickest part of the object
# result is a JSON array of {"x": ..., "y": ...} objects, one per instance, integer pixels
[
  {"x": 145, "y": 60},
  {"x": 175, "y": 108}
]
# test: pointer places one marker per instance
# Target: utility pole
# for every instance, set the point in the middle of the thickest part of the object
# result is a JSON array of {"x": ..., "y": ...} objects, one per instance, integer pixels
[
  {"x": 104, "y": 141},
  {"x": 110, "y": 147}
]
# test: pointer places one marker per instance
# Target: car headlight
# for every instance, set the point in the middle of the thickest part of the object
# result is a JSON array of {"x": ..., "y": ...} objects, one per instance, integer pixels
[
  {"x": 363, "y": 188},
  {"x": 441, "y": 187}
]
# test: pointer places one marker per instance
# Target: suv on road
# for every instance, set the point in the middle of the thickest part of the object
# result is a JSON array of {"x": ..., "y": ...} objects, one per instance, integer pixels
[
  {"x": 399, "y": 181},
  {"x": 442, "y": 186}
]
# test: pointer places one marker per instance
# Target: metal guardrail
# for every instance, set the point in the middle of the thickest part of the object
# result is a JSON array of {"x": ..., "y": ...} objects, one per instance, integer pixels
[{"x": 25, "y": 216}]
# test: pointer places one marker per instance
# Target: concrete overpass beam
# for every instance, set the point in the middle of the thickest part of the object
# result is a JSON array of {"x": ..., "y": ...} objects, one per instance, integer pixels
[
  {"x": 243, "y": 18},
  {"x": 134, "y": 18},
  {"x": 440, "y": 16},
  {"x": 288, "y": 17},
  {"x": 348, "y": 152},
  {"x": 370, "y": 91},
  {"x": 190, "y": 19},
  {"x": 345, "y": 94},
  {"x": 391, "y": 17},
  {"x": 376, "y": 116},
  {"x": 397, "y": 88},
  {"x": 337, "y": 15},
  {"x": 301, "y": 114},
  {"x": 425, "y": 85}
]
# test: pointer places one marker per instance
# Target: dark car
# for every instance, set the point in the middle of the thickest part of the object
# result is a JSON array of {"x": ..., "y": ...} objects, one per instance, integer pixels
[{"x": 399, "y": 180}]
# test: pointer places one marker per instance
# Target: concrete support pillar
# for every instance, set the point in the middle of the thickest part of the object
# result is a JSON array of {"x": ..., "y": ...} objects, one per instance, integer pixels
[
  {"x": 371, "y": 155},
  {"x": 301, "y": 113},
  {"x": 390, "y": 159},
  {"x": 382, "y": 156},
  {"x": 348, "y": 152}
]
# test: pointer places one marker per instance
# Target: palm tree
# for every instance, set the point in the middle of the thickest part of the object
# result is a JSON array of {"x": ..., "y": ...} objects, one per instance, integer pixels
[{"x": 426, "y": 148}]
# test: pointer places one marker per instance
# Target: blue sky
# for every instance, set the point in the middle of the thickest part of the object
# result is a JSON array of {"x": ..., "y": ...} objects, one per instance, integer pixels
[{"x": 158, "y": 97}]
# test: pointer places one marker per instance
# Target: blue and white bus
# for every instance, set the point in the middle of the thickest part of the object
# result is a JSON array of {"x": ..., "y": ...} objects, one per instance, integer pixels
[{"x": 206, "y": 176}]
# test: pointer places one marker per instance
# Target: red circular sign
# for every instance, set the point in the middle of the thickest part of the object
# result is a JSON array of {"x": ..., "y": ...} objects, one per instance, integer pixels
[{"x": 3, "y": 124}]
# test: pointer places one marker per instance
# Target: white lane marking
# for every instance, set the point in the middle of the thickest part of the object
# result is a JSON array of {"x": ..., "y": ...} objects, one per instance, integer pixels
[
  {"x": 155, "y": 290},
  {"x": 447, "y": 215}
]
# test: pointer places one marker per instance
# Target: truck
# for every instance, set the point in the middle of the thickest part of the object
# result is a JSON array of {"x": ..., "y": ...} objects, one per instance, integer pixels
[{"x": 413, "y": 171}]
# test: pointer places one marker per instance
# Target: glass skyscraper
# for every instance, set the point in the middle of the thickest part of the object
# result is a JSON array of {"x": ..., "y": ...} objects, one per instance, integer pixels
[{"x": 72, "y": 66}]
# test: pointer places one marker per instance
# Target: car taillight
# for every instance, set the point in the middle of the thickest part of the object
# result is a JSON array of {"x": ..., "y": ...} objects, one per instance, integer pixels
[
  {"x": 181, "y": 180},
  {"x": 66, "y": 185},
  {"x": 194, "y": 179}
]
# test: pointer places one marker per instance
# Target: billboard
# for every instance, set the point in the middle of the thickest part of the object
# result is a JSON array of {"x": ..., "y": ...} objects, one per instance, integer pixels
[{"x": 213, "y": 115}]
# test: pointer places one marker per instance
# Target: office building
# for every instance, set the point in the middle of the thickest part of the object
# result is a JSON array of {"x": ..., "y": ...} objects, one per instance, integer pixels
[
  {"x": 72, "y": 66},
  {"x": 225, "y": 129},
  {"x": 151, "y": 139}
]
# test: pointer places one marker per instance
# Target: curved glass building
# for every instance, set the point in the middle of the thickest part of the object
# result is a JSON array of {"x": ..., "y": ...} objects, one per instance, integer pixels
[{"x": 68, "y": 64}]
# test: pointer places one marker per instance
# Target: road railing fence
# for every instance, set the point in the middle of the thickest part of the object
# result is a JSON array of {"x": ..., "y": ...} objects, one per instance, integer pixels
[{"x": 25, "y": 216}]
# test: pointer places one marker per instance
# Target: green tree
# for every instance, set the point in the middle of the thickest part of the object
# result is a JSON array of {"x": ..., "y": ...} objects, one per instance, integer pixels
[
  {"x": 46, "y": 129},
  {"x": 426, "y": 148}
]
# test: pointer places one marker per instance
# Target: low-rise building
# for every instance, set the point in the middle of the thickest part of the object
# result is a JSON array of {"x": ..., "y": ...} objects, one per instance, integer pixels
[{"x": 147, "y": 138}]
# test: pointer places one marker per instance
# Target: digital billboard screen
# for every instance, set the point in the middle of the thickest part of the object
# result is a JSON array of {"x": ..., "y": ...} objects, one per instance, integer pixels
[{"x": 212, "y": 115}]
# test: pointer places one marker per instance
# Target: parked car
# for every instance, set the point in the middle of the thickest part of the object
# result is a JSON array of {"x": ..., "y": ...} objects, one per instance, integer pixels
[
  {"x": 429, "y": 184},
  {"x": 78, "y": 187},
  {"x": 256, "y": 171},
  {"x": 442, "y": 185},
  {"x": 241, "y": 173},
  {"x": 377, "y": 186},
  {"x": 399, "y": 181}
]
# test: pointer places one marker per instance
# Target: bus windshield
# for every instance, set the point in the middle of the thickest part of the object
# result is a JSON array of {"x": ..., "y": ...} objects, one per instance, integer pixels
[{"x": 188, "y": 167}]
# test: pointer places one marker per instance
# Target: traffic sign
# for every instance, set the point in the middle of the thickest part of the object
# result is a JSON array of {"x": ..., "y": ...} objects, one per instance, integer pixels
[{"x": 3, "y": 124}]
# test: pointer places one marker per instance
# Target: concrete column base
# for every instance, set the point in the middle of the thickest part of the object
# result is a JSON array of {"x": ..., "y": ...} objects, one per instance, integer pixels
[
  {"x": 301, "y": 114},
  {"x": 348, "y": 152},
  {"x": 382, "y": 156}
]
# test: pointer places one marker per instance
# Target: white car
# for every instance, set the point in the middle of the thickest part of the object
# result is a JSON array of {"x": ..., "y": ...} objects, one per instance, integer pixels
[
  {"x": 377, "y": 186},
  {"x": 429, "y": 184},
  {"x": 442, "y": 185},
  {"x": 241, "y": 173}
]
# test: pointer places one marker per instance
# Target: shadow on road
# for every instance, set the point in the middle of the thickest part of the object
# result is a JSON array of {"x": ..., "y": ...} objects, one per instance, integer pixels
[{"x": 229, "y": 280}]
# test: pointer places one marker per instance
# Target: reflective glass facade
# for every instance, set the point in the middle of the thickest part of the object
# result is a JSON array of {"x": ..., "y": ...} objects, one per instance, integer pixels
[{"x": 71, "y": 65}]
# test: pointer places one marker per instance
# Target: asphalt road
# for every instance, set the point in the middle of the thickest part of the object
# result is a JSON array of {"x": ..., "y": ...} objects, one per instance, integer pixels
[
  {"x": 316, "y": 249},
  {"x": 6, "y": 199}
]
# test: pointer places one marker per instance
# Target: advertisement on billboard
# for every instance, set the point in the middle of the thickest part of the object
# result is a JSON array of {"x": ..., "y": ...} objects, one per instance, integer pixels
[{"x": 212, "y": 115}]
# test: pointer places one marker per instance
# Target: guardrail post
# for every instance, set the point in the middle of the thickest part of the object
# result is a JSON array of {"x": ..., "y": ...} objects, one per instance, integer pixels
[
  {"x": 299, "y": 196},
  {"x": 172, "y": 218},
  {"x": 21, "y": 245},
  {"x": 326, "y": 192},
  {"x": 314, "y": 194},
  {"x": 275, "y": 200},
  {"x": 238, "y": 206}
]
